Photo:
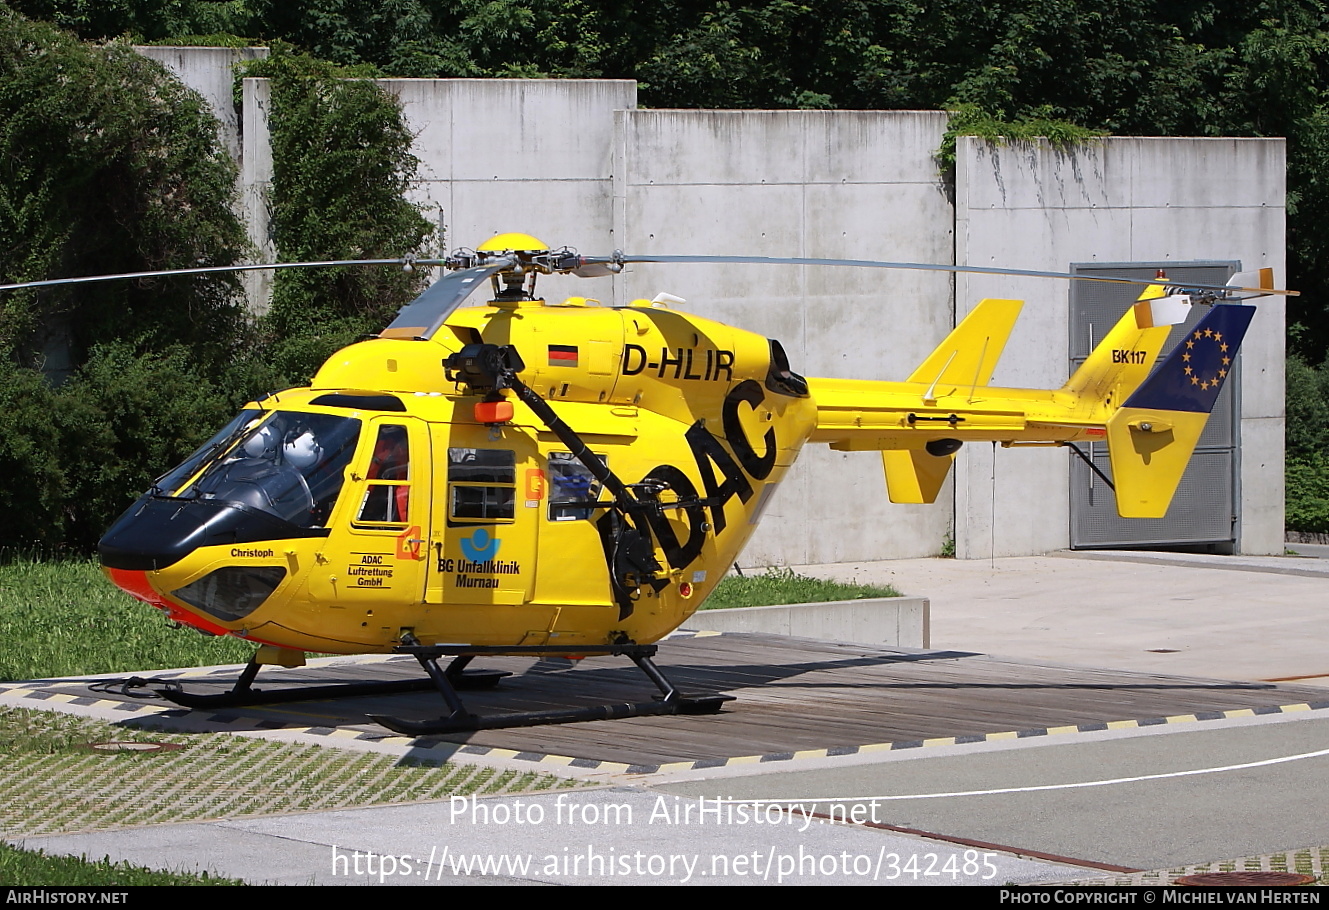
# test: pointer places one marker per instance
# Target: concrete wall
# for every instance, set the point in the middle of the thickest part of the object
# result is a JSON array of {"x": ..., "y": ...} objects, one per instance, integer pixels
[
  {"x": 1118, "y": 200},
  {"x": 210, "y": 71},
  {"x": 529, "y": 155},
  {"x": 897, "y": 622},
  {"x": 859, "y": 184},
  {"x": 255, "y": 183}
]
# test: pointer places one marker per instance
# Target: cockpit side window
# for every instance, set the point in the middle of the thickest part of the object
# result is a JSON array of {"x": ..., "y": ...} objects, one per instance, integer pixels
[
  {"x": 292, "y": 465},
  {"x": 573, "y": 489},
  {"x": 387, "y": 495},
  {"x": 482, "y": 484}
]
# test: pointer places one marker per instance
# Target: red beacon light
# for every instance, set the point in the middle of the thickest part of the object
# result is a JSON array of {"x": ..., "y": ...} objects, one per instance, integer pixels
[{"x": 493, "y": 412}]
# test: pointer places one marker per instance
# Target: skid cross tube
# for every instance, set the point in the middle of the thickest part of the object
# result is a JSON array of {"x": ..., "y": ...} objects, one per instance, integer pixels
[
  {"x": 459, "y": 720},
  {"x": 243, "y": 695}
]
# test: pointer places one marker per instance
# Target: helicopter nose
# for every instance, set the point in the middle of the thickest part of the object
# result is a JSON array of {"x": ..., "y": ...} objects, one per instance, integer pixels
[
  {"x": 134, "y": 582},
  {"x": 154, "y": 534}
]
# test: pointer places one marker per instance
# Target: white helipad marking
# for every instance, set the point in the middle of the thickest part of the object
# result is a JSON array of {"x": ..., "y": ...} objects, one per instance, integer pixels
[{"x": 1072, "y": 786}]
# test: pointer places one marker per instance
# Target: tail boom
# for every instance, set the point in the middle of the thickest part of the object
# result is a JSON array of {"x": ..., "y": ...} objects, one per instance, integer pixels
[{"x": 1150, "y": 413}]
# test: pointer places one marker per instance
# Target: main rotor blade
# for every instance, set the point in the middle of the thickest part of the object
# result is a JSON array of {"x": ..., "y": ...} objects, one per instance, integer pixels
[
  {"x": 423, "y": 316},
  {"x": 933, "y": 267},
  {"x": 204, "y": 270}
]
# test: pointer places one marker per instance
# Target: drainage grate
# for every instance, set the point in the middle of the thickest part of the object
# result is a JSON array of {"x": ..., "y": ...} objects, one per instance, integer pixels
[
  {"x": 123, "y": 746},
  {"x": 1253, "y": 879}
]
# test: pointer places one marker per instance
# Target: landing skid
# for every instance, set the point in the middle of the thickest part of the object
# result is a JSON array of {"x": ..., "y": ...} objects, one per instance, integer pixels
[
  {"x": 243, "y": 695},
  {"x": 459, "y": 720},
  {"x": 457, "y": 678}
]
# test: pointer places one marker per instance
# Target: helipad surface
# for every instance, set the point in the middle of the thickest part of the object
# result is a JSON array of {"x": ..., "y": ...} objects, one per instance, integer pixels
[{"x": 794, "y": 698}]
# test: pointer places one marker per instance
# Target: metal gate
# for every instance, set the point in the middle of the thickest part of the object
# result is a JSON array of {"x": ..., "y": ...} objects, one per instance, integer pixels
[{"x": 1203, "y": 510}]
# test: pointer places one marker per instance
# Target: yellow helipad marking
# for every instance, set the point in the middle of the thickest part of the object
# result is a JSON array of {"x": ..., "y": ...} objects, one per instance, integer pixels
[{"x": 676, "y": 766}]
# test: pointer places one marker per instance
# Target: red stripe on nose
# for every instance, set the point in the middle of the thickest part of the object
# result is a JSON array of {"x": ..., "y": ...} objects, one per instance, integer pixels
[{"x": 135, "y": 583}]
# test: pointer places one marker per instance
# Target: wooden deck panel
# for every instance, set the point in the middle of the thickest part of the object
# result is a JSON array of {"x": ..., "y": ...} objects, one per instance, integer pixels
[{"x": 792, "y": 695}]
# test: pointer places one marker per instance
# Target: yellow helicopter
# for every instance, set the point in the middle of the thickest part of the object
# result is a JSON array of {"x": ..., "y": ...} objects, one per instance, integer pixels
[{"x": 572, "y": 479}]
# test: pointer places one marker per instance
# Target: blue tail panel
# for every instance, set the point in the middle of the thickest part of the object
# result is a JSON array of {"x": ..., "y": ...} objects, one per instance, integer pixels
[{"x": 1192, "y": 375}]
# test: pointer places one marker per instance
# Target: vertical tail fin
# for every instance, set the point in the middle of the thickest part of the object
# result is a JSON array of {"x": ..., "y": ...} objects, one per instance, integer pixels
[
  {"x": 1123, "y": 359},
  {"x": 1152, "y": 435}
]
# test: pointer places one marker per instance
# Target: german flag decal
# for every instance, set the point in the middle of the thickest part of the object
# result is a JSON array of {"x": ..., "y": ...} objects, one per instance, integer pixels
[{"x": 562, "y": 355}]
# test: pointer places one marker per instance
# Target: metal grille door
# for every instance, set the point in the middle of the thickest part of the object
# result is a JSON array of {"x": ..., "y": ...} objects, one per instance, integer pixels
[{"x": 1202, "y": 511}]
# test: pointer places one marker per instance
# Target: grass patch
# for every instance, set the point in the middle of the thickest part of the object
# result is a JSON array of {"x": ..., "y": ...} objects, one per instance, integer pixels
[
  {"x": 784, "y": 586},
  {"x": 34, "y": 867},
  {"x": 65, "y": 618},
  {"x": 214, "y": 775}
]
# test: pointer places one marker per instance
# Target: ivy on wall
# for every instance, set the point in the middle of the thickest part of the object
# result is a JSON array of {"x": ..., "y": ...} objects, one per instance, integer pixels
[
  {"x": 342, "y": 165},
  {"x": 109, "y": 164}
]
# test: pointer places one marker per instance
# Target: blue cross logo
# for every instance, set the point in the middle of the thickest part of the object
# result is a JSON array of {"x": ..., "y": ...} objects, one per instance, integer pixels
[{"x": 480, "y": 547}]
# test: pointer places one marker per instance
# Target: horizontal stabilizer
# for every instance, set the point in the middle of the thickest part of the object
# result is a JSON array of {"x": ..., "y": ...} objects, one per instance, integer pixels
[{"x": 965, "y": 359}]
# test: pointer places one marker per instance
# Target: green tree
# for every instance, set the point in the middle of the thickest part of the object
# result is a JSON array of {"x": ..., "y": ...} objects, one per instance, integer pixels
[
  {"x": 143, "y": 20},
  {"x": 107, "y": 164},
  {"x": 1307, "y": 433},
  {"x": 1307, "y": 446},
  {"x": 341, "y": 167},
  {"x": 122, "y": 421},
  {"x": 34, "y": 491}
]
